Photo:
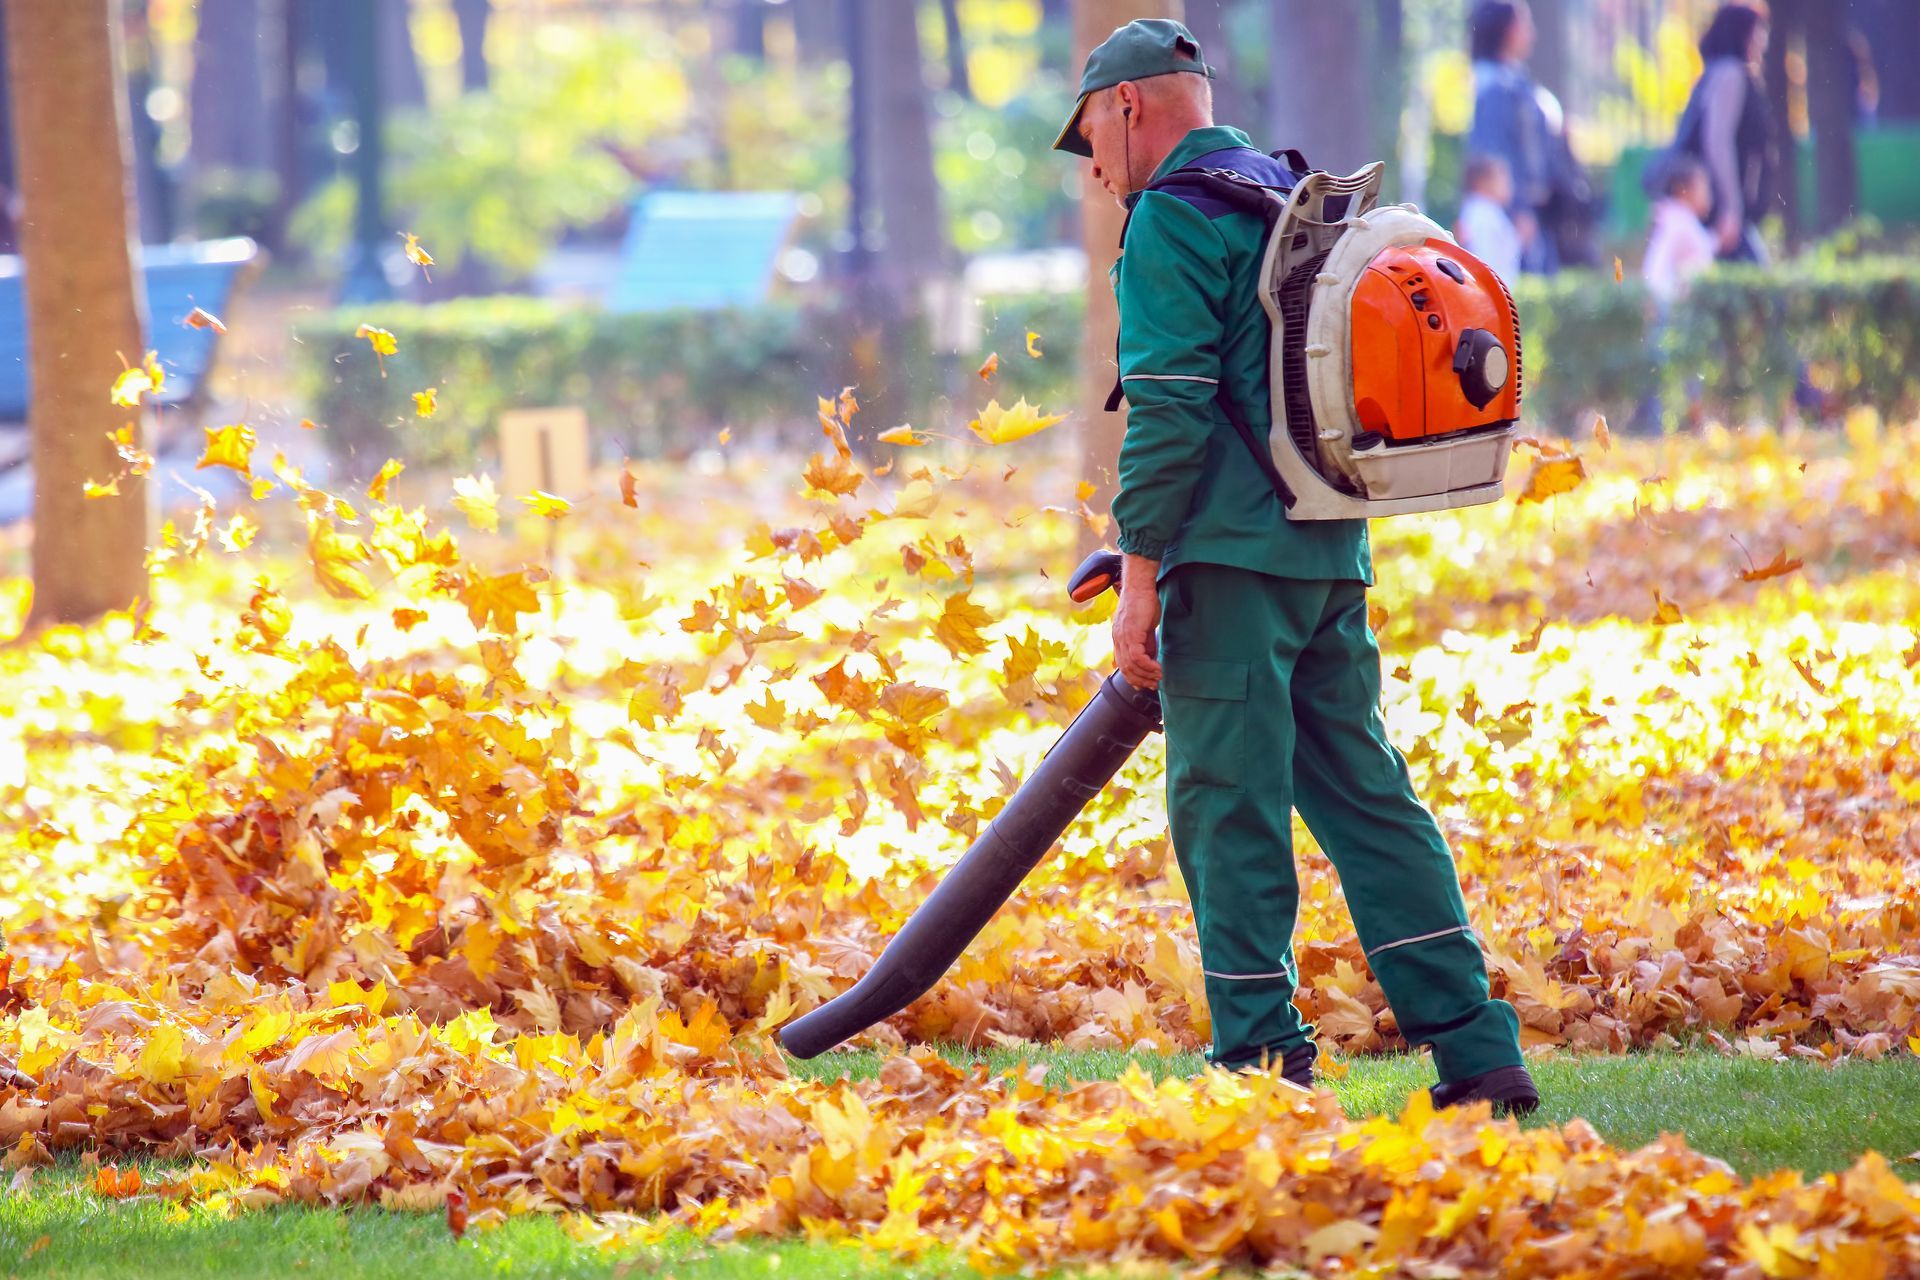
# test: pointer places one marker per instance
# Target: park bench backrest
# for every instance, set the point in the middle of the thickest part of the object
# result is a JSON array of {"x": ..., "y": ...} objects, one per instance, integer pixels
[
  {"x": 178, "y": 278},
  {"x": 700, "y": 250}
]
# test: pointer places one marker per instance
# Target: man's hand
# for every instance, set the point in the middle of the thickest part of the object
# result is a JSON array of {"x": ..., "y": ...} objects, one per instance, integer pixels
[{"x": 1134, "y": 647}]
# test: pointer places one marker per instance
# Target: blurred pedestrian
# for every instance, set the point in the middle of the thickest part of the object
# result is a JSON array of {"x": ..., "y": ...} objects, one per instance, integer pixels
[
  {"x": 1484, "y": 228},
  {"x": 1518, "y": 120},
  {"x": 1681, "y": 246},
  {"x": 1729, "y": 128}
]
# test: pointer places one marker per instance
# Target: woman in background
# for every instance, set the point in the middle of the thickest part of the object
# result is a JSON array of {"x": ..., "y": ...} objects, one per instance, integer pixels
[{"x": 1729, "y": 128}]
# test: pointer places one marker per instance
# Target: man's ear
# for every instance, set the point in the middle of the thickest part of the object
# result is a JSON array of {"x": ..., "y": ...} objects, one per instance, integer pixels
[{"x": 1127, "y": 94}]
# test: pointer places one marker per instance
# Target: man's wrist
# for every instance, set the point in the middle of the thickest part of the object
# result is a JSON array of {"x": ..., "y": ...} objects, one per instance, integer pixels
[{"x": 1138, "y": 573}]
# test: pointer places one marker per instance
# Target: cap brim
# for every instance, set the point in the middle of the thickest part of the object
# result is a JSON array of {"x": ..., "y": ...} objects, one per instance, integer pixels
[{"x": 1070, "y": 140}]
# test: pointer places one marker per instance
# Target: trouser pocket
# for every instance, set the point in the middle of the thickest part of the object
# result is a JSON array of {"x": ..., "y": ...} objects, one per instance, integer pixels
[{"x": 1205, "y": 705}]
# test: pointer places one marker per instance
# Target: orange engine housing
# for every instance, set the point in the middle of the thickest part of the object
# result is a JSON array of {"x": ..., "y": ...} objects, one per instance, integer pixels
[{"x": 1434, "y": 331}]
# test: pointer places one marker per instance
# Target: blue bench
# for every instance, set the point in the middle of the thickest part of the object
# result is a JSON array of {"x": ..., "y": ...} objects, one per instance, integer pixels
[
  {"x": 178, "y": 279},
  {"x": 700, "y": 250}
]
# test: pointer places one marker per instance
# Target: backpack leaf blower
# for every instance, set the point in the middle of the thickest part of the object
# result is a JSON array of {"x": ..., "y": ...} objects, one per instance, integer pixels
[{"x": 1395, "y": 374}]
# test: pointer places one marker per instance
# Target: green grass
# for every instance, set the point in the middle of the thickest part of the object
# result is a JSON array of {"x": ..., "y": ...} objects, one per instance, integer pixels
[{"x": 1755, "y": 1115}]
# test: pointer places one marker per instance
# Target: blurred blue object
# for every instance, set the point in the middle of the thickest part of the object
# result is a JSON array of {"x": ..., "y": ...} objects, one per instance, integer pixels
[
  {"x": 700, "y": 250},
  {"x": 178, "y": 279}
]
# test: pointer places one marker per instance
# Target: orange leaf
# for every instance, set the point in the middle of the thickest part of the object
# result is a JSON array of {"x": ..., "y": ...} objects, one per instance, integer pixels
[
  {"x": 989, "y": 367},
  {"x": 1779, "y": 566},
  {"x": 832, "y": 476},
  {"x": 958, "y": 627},
  {"x": 201, "y": 318},
  {"x": 1532, "y": 642}
]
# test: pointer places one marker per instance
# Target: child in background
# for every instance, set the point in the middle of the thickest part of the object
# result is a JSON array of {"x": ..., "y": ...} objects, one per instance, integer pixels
[
  {"x": 1681, "y": 246},
  {"x": 1679, "y": 249},
  {"x": 1484, "y": 228}
]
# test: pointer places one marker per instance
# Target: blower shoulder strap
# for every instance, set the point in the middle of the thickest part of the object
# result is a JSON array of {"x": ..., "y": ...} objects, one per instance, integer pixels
[{"x": 1241, "y": 194}]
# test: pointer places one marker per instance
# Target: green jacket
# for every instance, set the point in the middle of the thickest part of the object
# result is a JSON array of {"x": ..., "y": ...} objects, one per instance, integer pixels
[{"x": 1191, "y": 320}]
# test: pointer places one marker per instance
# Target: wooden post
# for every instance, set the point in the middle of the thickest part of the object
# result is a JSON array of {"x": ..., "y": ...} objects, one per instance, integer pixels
[{"x": 84, "y": 303}]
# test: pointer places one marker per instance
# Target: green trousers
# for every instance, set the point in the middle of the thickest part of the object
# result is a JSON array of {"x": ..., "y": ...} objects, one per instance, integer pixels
[{"x": 1271, "y": 692}]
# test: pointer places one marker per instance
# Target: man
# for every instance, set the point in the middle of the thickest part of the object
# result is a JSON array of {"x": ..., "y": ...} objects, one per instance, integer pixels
[{"x": 1268, "y": 674}]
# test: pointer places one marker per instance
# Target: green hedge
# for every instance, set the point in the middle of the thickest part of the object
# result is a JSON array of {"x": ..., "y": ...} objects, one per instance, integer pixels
[{"x": 662, "y": 384}]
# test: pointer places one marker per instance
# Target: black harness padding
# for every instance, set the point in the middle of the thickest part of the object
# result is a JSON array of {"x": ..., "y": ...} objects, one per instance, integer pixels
[{"x": 1227, "y": 190}]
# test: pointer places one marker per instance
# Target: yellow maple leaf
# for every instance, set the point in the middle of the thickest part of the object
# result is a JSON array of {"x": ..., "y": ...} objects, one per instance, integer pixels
[
  {"x": 959, "y": 623},
  {"x": 389, "y": 470},
  {"x": 109, "y": 488},
  {"x": 230, "y": 446},
  {"x": 425, "y": 402},
  {"x": 134, "y": 383},
  {"x": 477, "y": 500},
  {"x": 417, "y": 254},
  {"x": 902, "y": 434},
  {"x": 499, "y": 600},
  {"x": 164, "y": 1056},
  {"x": 1553, "y": 475},
  {"x": 239, "y": 533},
  {"x": 1033, "y": 344},
  {"x": 1665, "y": 611},
  {"x": 336, "y": 557},
  {"x": 832, "y": 476},
  {"x": 769, "y": 712},
  {"x": 384, "y": 344},
  {"x": 542, "y": 503},
  {"x": 996, "y": 425}
]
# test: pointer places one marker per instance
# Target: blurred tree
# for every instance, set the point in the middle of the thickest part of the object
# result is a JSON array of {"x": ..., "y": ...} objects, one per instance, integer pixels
[
  {"x": 1056, "y": 35},
  {"x": 227, "y": 103},
  {"x": 1833, "y": 107},
  {"x": 1101, "y": 220},
  {"x": 1232, "y": 102},
  {"x": 1789, "y": 24},
  {"x": 748, "y": 27},
  {"x": 401, "y": 85},
  {"x": 9, "y": 179},
  {"x": 1893, "y": 34},
  {"x": 1321, "y": 92},
  {"x": 816, "y": 29},
  {"x": 155, "y": 206},
  {"x": 957, "y": 78},
  {"x": 897, "y": 230},
  {"x": 472, "y": 16},
  {"x": 84, "y": 302}
]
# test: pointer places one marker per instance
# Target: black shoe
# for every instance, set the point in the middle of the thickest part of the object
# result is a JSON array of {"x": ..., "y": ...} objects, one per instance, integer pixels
[
  {"x": 1510, "y": 1089},
  {"x": 1296, "y": 1064}
]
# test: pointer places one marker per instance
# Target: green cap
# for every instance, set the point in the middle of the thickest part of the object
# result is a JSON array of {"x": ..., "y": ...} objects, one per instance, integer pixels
[{"x": 1143, "y": 48}]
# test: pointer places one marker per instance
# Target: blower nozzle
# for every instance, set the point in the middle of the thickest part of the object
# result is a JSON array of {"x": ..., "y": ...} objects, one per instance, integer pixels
[{"x": 1075, "y": 769}]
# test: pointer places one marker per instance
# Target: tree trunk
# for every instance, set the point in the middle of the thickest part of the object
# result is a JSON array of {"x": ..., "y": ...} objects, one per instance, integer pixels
[
  {"x": 228, "y": 100},
  {"x": 9, "y": 176},
  {"x": 816, "y": 29},
  {"x": 1388, "y": 60},
  {"x": 472, "y": 15},
  {"x": 748, "y": 31},
  {"x": 1833, "y": 112},
  {"x": 400, "y": 84},
  {"x": 1232, "y": 103},
  {"x": 289, "y": 121},
  {"x": 900, "y": 230},
  {"x": 1056, "y": 38},
  {"x": 958, "y": 79},
  {"x": 1894, "y": 36},
  {"x": 1788, "y": 22},
  {"x": 83, "y": 302},
  {"x": 1322, "y": 104},
  {"x": 1101, "y": 219},
  {"x": 1553, "y": 60}
]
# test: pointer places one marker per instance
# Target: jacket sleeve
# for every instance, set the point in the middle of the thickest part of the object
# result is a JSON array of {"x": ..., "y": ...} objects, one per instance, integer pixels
[{"x": 1172, "y": 290}]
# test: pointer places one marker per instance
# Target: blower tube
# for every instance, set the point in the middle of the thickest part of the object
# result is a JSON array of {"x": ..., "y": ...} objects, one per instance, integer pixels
[{"x": 1075, "y": 769}]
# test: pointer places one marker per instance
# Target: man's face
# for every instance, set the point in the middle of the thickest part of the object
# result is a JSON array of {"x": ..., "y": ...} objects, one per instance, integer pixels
[{"x": 1104, "y": 127}]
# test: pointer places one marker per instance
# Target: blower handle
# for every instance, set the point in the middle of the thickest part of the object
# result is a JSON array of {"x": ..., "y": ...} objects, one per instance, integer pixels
[{"x": 1097, "y": 574}]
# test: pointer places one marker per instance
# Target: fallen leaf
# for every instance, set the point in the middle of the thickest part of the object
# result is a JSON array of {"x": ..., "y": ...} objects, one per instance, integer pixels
[{"x": 996, "y": 425}]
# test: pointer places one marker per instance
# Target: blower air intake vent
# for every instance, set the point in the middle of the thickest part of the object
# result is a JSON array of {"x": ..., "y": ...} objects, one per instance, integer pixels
[
  {"x": 1296, "y": 296},
  {"x": 1519, "y": 364}
]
